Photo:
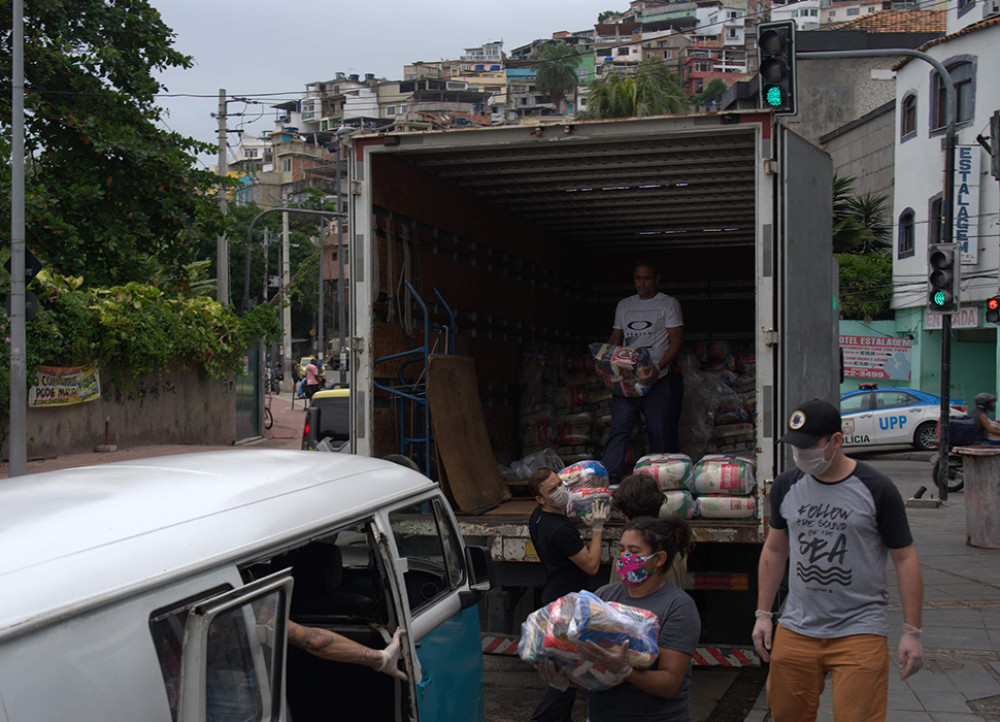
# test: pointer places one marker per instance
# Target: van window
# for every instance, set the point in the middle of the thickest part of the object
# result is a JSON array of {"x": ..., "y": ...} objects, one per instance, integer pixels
[
  {"x": 238, "y": 681},
  {"x": 425, "y": 537}
]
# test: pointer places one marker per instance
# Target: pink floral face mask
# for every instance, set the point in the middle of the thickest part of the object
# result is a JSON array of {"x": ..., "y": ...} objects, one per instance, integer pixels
[{"x": 632, "y": 568}]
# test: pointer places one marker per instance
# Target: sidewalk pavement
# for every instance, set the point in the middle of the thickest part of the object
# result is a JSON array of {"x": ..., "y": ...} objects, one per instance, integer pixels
[
  {"x": 960, "y": 680},
  {"x": 285, "y": 433}
]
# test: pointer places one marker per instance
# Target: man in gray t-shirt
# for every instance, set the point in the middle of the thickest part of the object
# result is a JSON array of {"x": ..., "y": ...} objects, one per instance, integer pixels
[
  {"x": 834, "y": 521},
  {"x": 653, "y": 321}
]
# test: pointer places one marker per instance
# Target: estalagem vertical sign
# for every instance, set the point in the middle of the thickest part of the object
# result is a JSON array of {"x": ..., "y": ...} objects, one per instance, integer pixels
[{"x": 967, "y": 160}]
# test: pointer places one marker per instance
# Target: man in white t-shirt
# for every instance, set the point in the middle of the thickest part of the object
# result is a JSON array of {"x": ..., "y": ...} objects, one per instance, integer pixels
[{"x": 650, "y": 320}]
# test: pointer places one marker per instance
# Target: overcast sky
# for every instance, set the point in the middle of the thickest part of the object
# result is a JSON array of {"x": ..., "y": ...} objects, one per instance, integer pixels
[{"x": 252, "y": 47}]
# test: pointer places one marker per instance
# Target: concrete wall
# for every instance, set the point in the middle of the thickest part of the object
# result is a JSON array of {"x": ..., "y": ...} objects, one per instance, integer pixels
[
  {"x": 865, "y": 149},
  {"x": 180, "y": 407},
  {"x": 832, "y": 93}
]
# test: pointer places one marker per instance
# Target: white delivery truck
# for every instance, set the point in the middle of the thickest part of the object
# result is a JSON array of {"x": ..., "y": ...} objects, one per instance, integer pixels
[{"x": 521, "y": 236}]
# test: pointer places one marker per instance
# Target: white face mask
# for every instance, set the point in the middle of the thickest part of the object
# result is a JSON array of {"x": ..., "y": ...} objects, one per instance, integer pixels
[
  {"x": 559, "y": 496},
  {"x": 812, "y": 461}
]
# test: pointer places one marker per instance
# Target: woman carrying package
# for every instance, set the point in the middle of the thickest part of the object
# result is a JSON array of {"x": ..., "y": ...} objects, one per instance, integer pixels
[{"x": 661, "y": 693}]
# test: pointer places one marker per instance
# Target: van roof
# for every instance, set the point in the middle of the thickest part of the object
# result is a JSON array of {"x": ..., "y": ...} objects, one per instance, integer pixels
[{"x": 77, "y": 537}]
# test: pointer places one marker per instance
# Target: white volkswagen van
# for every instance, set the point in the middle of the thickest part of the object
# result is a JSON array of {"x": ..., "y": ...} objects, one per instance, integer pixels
[{"x": 133, "y": 591}]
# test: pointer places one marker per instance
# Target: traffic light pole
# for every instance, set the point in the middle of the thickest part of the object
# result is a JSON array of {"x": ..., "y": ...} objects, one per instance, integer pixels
[{"x": 947, "y": 225}]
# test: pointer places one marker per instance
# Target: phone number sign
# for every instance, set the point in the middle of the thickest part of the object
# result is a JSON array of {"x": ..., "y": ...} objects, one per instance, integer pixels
[{"x": 876, "y": 357}]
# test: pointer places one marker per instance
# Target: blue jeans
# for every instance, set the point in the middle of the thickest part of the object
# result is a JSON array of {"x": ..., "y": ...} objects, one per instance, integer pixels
[{"x": 661, "y": 409}]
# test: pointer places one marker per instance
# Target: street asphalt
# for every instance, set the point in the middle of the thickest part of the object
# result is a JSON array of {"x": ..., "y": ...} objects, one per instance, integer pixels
[{"x": 960, "y": 681}]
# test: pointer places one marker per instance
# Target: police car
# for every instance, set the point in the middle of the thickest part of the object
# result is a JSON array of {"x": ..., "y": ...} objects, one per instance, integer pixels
[{"x": 873, "y": 416}]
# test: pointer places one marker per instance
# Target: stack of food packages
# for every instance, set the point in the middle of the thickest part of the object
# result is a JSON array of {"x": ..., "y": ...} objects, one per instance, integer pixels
[
  {"x": 563, "y": 407},
  {"x": 556, "y": 631},
  {"x": 717, "y": 487},
  {"x": 720, "y": 403}
]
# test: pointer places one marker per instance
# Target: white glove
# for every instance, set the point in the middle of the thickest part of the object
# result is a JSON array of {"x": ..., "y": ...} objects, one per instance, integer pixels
[
  {"x": 390, "y": 658},
  {"x": 600, "y": 512},
  {"x": 762, "y": 631},
  {"x": 910, "y": 654}
]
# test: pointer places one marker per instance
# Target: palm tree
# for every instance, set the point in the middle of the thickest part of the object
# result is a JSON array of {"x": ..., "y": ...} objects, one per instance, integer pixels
[
  {"x": 653, "y": 90},
  {"x": 555, "y": 71}
]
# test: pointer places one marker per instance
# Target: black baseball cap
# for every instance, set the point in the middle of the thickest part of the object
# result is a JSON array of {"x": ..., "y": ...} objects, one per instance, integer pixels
[{"x": 810, "y": 422}]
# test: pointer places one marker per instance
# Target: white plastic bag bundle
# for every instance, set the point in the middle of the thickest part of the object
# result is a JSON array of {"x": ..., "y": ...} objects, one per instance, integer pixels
[
  {"x": 670, "y": 471},
  {"x": 726, "y": 507},
  {"x": 728, "y": 476},
  {"x": 679, "y": 503}
]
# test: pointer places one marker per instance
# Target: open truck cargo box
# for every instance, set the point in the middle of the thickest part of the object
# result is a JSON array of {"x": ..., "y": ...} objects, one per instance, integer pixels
[{"x": 530, "y": 234}]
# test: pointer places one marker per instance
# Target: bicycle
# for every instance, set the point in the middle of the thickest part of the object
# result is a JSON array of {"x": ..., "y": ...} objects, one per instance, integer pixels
[{"x": 268, "y": 418}]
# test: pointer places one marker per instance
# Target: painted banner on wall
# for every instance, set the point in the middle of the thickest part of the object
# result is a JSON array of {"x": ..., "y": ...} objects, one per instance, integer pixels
[
  {"x": 876, "y": 357},
  {"x": 64, "y": 385}
]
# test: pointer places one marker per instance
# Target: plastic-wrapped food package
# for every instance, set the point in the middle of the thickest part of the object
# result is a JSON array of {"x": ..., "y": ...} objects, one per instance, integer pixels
[
  {"x": 570, "y": 397},
  {"x": 588, "y": 473},
  {"x": 581, "y": 502},
  {"x": 610, "y": 625},
  {"x": 535, "y": 436},
  {"x": 574, "y": 434},
  {"x": 574, "y": 454},
  {"x": 732, "y": 416},
  {"x": 729, "y": 476},
  {"x": 720, "y": 506},
  {"x": 547, "y": 634},
  {"x": 626, "y": 371},
  {"x": 732, "y": 433},
  {"x": 680, "y": 503},
  {"x": 544, "y": 458},
  {"x": 670, "y": 471},
  {"x": 750, "y": 459}
]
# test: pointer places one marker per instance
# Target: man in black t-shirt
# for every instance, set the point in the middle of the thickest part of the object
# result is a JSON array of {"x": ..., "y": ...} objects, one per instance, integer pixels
[{"x": 568, "y": 563}]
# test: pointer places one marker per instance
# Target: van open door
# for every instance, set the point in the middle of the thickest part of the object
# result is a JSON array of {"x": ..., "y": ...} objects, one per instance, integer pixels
[{"x": 234, "y": 653}]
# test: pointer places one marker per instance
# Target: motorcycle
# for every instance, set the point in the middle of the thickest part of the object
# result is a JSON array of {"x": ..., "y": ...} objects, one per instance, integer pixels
[{"x": 956, "y": 476}]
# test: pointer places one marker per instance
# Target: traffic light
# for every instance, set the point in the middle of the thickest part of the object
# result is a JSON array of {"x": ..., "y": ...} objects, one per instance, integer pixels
[
  {"x": 993, "y": 310},
  {"x": 943, "y": 263},
  {"x": 776, "y": 66}
]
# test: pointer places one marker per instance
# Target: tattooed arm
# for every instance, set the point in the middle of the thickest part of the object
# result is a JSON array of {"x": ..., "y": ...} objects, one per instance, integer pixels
[{"x": 329, "y": 645}]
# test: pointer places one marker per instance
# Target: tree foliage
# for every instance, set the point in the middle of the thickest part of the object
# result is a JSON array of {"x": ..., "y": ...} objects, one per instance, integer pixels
[
  {"x": 711, "y": 93},
  {"x": 861, "y": 244},
  {"x": 555, "y": 70},
  {"x": 653, "y": 90},
  {"x": 110, "y": 196},
  {"x": 859, "y": 220},
  {"x": 866, "y": 285}
]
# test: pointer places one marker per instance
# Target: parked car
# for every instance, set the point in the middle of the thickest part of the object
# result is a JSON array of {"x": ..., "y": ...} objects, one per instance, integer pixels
[
  {"x": 328, "y": 417},
  {"x": 875, "y": 416}
]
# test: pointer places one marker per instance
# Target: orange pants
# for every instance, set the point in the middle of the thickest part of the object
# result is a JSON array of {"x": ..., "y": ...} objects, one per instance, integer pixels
[{"x": 858, "y": 667}]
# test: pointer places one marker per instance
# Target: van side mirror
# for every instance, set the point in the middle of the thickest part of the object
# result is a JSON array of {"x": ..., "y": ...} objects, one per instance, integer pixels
[{"x": 482, "y": 574}]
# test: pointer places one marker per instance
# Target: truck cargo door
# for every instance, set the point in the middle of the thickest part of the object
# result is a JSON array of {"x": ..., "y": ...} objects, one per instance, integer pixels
[{"x": 806, "y": 312}]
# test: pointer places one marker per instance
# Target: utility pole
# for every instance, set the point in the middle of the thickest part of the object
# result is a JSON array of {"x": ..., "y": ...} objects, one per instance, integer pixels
[
  {"x": 341, "y": 312},
  {"x": 320, "y": 337},
  {"x": 286, "y": 310},
  {"x": 222, "y": 243},
  {"x": 18, "y": 334}
]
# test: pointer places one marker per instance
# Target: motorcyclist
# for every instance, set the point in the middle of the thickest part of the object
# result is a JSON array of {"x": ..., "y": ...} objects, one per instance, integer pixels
[{"x": 987, "y": 431}]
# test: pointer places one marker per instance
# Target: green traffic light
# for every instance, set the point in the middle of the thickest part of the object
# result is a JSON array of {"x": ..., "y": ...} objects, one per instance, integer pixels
[
  {"x": 939, "y": 298},
  {"x": 774, "y": 97}
]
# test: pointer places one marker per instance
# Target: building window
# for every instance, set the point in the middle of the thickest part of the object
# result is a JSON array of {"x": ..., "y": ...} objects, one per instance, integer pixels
[
  {"x": 667, "y": 54},
  {"x": 963, "y": 74},
  {"x": 853, "y": 11},
  {"x": 965, "y": 6},
  {"x": 286, "y": 165},
  {"x": 934, "y": 219},
  {"x": 905, "y": 234},
  {"x": 390, "y": 110},
  {"x": 250, "y": 152},
  {"x": 833, "y": 13},
  {"x": 908, "y": 117},
  {"x": 871, "y": 10},
  {"x": 623, "y": 51}
]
